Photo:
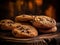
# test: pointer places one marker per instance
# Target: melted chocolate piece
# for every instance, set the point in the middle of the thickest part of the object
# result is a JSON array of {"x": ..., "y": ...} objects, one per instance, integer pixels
[
  {"x": 41, "y": 19},
  {"x": 21, "y": 28},
  {"x": 18, "y": 26},
  {"x": 12, "y": 22},
  {"x": 22, "y": 31},
  {"x": 3, "y": 22},
  {"x": 10, "y": 25},
  {"x": 27, "y": 32},
  {"x": 8, "y": 22},
  {"x": 23, "y": 15},
  {"x": 27, "y": 29},
  {"x": 15, "y": 33},
  {"x": 49, "y": 20}
]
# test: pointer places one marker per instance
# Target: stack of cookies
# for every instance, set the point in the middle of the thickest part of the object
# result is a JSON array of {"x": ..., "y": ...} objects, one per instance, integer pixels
[
  {"x": 27, "y": 26},
  {"x": 18, "y": 29},
  {"x": 45, "y": 24}
]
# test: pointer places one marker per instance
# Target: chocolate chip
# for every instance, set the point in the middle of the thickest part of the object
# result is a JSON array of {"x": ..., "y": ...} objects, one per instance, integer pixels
[
  {"x": 41, "y": 19},
  {"x": 3, "y": 22},
  {"x": 22, "y": 28},
  {"x": 49, "y": 20},
  {"x": 12, "y": 22},
  {"x": 15, "y": 32},
  {"x": 27, "y": 32},
  {"x": 8, "y": 22},
  {"x": 27, "y": 29},
  {"x": 18, "y": 26},
  {"x": 10, "y": 25},
  {"x": 23, "y": 15},
  {"x": 22, "y": 31}
]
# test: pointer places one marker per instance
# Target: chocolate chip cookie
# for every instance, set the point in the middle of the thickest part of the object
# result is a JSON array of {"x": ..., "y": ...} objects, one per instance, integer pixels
[
  {"x": 52, "y": 30},
  {"x": 16, "y": 25},
  {"x": 44, "y": 22},
  {"x": 6, "y": 24},
  {"x": 24, "y": 17},
  {"x": 25, "y": 31}
]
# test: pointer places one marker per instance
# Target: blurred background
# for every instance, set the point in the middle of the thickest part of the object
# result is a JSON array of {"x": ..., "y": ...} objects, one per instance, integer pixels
[{"x": 12, "y": 8}]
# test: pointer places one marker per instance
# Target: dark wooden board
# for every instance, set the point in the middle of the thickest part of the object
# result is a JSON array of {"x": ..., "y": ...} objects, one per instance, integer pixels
[{"x": 7, "y": 36}]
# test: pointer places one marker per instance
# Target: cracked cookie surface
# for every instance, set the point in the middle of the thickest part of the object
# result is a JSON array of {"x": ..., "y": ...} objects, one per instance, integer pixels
[
  {"x": 25, "y": 31},
  {"x": 44, "y": 22}
]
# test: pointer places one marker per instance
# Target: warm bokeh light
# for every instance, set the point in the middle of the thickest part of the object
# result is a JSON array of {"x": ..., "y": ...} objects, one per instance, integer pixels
[
  {"x": 18, "y": 4},
  {"x": 39, "y": 2},
  {"x": 11, "y": 9},
  {"x": 50, "y": 11},
  {"x": 30, "y": 5}
]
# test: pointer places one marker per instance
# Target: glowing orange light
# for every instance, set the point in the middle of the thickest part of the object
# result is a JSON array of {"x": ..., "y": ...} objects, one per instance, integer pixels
[
  {"x": 30, "y": 5},
  {"x": 39, "y": 2},
  {"x": 50, "y": 11}
]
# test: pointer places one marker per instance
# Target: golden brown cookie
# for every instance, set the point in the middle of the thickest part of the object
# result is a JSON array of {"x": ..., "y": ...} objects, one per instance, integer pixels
[
  {"x": 6, "y": 24},
  {"x": 44, "y": 22},
  {"x": 16, "y": 25},
  {"x": 24, "y": 17},
  {"x": 25, "y": 31},
  {"x": 54, "y": 29}
]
